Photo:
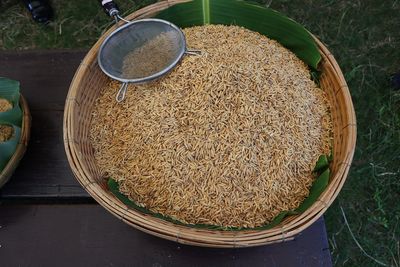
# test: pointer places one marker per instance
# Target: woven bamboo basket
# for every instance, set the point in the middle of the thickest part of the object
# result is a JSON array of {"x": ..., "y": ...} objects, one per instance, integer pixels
[
  {"x": 84, "y": 90},
  {"x": 22, "y": 144}
]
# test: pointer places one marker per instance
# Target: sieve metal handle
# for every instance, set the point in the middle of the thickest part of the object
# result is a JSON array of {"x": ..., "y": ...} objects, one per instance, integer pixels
[
  {"x": 112, "y": 10},
  {"x": 193, "y": 52},
  {"x": 121, "y": 93},
  {"x": 109, "y": 7}
]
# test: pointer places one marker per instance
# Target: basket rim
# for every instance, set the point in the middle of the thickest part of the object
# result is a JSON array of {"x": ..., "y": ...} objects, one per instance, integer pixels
[
  {"x": 288, "y": 228},
  {"x": 12, "y": 164}
]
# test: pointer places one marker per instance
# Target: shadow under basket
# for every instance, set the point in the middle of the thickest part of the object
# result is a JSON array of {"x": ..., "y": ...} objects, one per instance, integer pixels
[
  {"x": 12, "y": 164},
  {"x": 83, "y": 92}
]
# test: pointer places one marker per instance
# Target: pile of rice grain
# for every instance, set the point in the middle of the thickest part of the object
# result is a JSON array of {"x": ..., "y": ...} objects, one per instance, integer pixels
[
  {"x": 6, "y": 132},
  {"x": 228, "y": 138},
  {"x": 5, "y": 105},
  {"x": 155, "y": 55}
]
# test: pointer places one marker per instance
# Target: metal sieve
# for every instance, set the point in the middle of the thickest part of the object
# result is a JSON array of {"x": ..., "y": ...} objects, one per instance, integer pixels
[{"x": 140, "y": 50}]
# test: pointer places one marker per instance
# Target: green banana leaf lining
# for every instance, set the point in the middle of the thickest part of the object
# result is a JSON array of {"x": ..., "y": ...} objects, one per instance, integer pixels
[{"x": 9, "y": 89}]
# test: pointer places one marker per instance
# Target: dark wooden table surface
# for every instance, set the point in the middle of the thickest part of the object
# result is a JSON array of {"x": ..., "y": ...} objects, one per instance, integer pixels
[{"x": 47, "y": 219}]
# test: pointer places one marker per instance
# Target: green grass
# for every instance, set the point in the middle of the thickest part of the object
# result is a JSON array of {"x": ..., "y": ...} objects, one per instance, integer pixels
[
  {"x": 78, "y": 24},
  {"x": 364, "y": 36}
]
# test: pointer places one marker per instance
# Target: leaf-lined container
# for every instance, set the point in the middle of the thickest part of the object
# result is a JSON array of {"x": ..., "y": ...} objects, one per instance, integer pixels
[
  {"x": 89, "y": 79},
  {"x": 18, "y": 117}
]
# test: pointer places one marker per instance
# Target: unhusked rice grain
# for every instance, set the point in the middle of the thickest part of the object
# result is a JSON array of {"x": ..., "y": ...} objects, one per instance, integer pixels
[{"x": 229, "y": 137}]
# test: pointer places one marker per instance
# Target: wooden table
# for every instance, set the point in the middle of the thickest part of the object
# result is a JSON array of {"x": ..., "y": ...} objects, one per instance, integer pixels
[{"x": 47, "y": 219}]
